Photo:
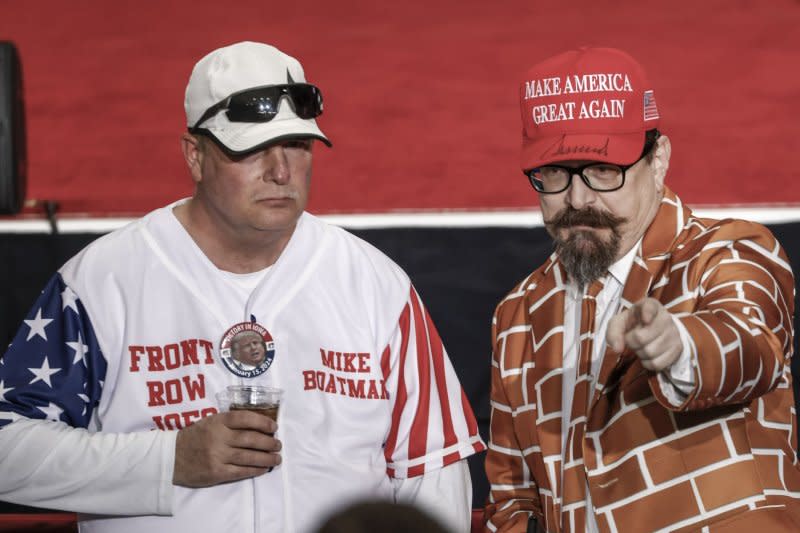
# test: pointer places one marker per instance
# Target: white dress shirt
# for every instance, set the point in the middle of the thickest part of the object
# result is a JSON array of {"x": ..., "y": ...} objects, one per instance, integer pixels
[{"x": 676, "y": 382}]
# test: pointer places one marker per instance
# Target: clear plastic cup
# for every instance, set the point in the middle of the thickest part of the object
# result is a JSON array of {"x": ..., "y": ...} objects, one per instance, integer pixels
[{"x": 262, "y": 400}]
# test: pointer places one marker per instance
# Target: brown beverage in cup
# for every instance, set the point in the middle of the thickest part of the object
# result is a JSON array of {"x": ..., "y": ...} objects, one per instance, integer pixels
[
  {"x": 266, "y": 409},
  {"x": 262, "y": 400}
]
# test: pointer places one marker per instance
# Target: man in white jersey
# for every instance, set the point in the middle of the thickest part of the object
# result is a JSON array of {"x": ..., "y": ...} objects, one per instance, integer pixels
[{"x": 107, "y": 391}]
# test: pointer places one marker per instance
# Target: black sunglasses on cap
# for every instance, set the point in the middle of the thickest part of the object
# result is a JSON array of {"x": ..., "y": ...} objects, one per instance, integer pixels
[{"x": 260, "y": 104}]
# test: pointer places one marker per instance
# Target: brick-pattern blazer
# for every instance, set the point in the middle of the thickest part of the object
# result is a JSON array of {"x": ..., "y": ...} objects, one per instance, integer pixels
[{"x": 723, "y": 459}]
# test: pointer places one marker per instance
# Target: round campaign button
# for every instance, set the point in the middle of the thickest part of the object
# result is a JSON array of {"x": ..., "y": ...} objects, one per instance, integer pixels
[{"x": 247, "y": 349}]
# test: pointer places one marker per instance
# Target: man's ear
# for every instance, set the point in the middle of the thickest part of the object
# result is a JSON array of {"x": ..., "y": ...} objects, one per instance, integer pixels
[
  {"x": 661, "y": 161},
  {"x": 192, "y": 149}
]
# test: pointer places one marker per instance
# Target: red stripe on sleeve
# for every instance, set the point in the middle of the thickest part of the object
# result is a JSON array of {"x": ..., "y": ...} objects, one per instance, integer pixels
[
  {"x": 472, "y": 424},
  {"x": 451, "y": 458},
  {"x": 402, "y": 396},
  {"x": 437, "y": 353},
  {"x": 418, "y": 437},
  {"x": 416, "y": 470},
  {"x": 386, "y": 361}
]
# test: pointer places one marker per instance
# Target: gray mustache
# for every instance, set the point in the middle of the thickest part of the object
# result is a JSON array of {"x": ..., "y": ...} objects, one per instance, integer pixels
[{"x": 593, "y": 218}]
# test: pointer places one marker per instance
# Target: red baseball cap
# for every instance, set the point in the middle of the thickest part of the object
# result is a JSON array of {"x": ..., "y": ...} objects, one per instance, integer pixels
[{"x": 588, "y": 104}]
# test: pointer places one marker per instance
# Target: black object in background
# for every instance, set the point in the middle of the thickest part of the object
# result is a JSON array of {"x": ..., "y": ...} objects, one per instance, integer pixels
[{"x": 13, "y": 162}]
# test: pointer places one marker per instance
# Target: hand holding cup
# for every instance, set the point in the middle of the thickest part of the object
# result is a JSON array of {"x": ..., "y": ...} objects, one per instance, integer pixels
[{"x": 235, "y": 444}]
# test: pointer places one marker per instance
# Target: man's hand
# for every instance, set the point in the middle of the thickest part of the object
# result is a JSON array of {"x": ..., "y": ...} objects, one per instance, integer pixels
[
  {"x": 225, "y": 447},
  {"x": 648, "y": 329}
]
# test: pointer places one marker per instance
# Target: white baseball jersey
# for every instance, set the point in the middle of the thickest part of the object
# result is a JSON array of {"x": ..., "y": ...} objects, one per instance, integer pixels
[{"x": 125, "y": 340}]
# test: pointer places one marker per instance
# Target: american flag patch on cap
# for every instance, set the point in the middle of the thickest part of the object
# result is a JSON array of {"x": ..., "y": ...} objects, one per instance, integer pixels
[{"x": 650, "y": 109}]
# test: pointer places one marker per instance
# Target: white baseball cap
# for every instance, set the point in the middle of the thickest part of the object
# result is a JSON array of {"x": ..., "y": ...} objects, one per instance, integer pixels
[{"x": 236, "y": 68}]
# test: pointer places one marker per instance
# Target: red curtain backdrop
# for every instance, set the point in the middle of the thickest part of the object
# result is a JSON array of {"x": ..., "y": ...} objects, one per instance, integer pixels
[{"x": 421, "y": 96}]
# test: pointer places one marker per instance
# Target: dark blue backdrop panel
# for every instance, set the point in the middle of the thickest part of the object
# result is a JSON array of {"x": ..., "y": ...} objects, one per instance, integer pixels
[{"x": 460, "y": 273}]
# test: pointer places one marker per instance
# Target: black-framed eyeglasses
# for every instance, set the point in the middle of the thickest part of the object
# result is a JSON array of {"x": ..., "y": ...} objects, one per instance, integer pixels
[
  {"x": 260, "y": 104},
  {"x": 600, "y": 177}
]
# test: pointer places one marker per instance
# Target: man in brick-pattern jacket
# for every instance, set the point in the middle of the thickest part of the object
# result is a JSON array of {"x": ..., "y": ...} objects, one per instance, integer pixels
[{"x": 640, "y": 377}]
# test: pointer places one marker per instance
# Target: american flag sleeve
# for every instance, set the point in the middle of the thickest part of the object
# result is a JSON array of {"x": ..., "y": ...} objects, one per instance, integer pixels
[
  {"x": 53, "y": 369},
  {"x": 432, "y": 423}
]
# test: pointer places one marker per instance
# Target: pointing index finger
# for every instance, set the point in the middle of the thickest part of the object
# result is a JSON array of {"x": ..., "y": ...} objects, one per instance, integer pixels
[
  {"x": 615, "y": 333},
  {"x": 649, "y": 310}
]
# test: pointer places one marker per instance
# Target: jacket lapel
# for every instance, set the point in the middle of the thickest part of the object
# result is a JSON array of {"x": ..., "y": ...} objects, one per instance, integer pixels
[
  {"x": 545, "y": 305},
  {"x": 647, "y": 277}
]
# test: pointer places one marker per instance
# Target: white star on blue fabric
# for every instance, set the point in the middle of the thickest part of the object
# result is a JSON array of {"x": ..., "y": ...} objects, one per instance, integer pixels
[
  {"x": 85, "y": 401},
  {"x": 3, "y": 391},
  {"x": 79, "y": 348},
  {"x": 68, "y": 299},
  {"x": 37, "y": 325},
  {"x": 52, "y": 411},
  {"x": 44, "y": 372}
]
